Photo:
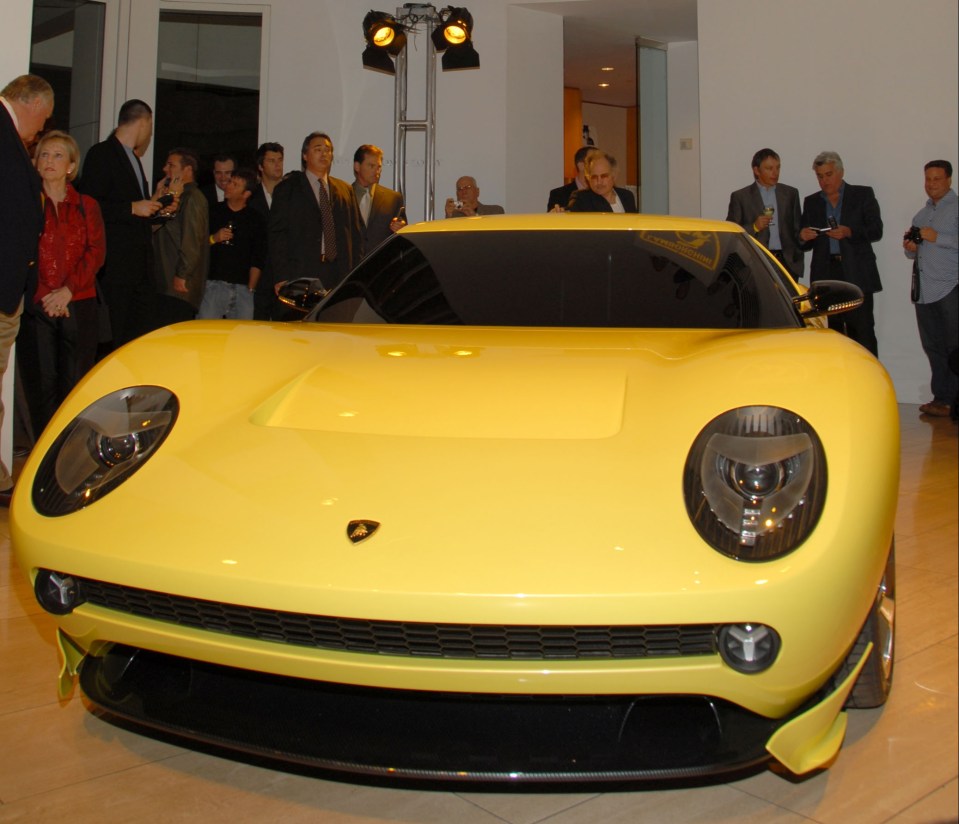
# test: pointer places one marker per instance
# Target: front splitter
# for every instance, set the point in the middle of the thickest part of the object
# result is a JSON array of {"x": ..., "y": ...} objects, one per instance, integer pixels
[{"x": 428, "y": 736}]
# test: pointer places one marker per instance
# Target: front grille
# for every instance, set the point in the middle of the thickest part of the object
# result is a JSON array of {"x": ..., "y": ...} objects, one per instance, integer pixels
[{"x": 405, "y": 638}]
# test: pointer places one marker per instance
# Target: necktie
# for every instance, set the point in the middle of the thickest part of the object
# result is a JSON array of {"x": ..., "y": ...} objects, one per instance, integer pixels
[
  {"x": 326, "y": 216},
  {"x": 143, "y": 178},
  {"x": 365, "y": 203}
]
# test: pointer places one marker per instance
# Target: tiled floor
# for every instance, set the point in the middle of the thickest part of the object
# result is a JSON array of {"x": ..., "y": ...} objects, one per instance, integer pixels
[{"x": 899, "y": 764}]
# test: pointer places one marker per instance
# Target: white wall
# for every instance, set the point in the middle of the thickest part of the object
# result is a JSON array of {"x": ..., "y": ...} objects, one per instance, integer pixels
[
  {"x": 875, "y": 80},
  {"x": 534, "y": 109}
]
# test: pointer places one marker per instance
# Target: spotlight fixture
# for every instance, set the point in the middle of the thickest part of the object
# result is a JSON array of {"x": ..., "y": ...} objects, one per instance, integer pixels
[
  {"x": 460, "y": 57},
  {"x": 385, "y": 38},
  {"x": 453, "y": 36}
]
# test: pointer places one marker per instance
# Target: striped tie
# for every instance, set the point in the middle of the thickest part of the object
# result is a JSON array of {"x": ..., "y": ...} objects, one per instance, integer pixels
[{"x": 326, "y": 215}]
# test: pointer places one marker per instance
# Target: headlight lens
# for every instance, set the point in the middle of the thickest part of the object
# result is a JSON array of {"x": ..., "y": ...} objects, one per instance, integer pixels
[
  {"x": 755, "y": 482},
  {"x": 102, "y": 447}
]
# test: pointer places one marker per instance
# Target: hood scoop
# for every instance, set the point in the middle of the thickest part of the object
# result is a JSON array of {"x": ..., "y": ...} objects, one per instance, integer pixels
[{"x": 498, "y": 397}]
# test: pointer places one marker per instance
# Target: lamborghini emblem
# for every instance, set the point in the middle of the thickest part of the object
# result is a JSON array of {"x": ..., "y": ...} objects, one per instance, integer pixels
[{"x": 358, "y": 531}]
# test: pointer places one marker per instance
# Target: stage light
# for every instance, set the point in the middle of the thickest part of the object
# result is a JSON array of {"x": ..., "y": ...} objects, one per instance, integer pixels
[
  {"x": 458, "y": 26},
  {"x": 453, "y": 37},
  {"x": 460, "y": 57},
  {"x": 385, "y": 38}
]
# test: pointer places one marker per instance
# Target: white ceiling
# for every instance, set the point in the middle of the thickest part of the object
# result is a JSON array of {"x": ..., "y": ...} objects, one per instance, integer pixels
[{"x": 601, "y": 33}]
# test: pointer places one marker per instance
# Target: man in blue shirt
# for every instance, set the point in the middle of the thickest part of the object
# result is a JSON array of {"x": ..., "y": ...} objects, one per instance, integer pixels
[
  {"x": 769, "y": 211},
  {"x": 933, "y": 243}
]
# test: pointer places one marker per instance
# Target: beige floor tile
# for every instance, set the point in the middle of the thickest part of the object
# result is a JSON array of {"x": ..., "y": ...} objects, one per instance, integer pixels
[
  {"x": 62, "y": 745},
  {"x": 891, "y": 757},
  {"x": 193, "y": 787},
  {"x": 938, "y": 807},
  {"x": 709, "y": 805}
]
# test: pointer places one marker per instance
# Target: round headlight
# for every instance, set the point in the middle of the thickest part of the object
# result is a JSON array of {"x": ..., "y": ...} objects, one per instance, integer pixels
[
  {"x": 755, "y": 482},
  {"x": 102, "y": 447}
]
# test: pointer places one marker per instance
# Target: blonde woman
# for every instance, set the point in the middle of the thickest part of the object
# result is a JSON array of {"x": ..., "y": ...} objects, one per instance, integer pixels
[{"x": 59, "y": 332}]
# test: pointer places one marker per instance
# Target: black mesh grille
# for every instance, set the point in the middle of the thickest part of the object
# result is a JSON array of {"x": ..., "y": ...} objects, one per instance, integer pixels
[{"x": 465, "y": 641}]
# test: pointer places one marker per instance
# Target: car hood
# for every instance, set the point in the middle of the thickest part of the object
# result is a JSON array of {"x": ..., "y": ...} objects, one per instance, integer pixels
[{"x": 505, "y": 464}]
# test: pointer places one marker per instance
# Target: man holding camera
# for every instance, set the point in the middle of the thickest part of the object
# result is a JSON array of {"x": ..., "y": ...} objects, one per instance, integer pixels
[
  {"x": 932, "y": 242},
  {"x": 840, "y": 223}
]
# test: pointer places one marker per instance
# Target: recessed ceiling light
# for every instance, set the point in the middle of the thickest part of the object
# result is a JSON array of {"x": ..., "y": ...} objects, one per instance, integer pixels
[
  {"x": 606, "y": 69},
  {"x": 604, "y": 85}
]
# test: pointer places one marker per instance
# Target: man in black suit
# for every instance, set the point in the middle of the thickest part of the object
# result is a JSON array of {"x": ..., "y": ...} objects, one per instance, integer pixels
[
  {"x": 840, "y": 223},
  {"x": 603, "y": 195},
  {"x": 559, "y": 197},
  {"x": 113, "y": 175},
  {"x": 269, "y": 167},
  {"x": 25, "y": 105},
  {"x": 381, "y": 209},
  {"x": 769, "y": 211},
  {"x": 314, "y": 221}
]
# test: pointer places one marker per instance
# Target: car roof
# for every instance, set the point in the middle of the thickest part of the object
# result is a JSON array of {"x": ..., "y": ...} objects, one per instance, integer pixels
[{"x": 573, "y": 221}]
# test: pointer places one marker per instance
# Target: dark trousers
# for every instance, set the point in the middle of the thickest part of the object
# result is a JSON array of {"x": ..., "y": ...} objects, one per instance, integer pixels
[
  {"x": 128, "y": 291},
  {"x": 858, "y": 324},
  {"x": 169, "y": 309},
  {"x": 939, "y": 332},
  {"x": 53, "y": 354}
]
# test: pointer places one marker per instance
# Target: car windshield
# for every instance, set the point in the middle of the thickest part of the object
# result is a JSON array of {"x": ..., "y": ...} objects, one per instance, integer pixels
[{"x": 651, "y": 279}]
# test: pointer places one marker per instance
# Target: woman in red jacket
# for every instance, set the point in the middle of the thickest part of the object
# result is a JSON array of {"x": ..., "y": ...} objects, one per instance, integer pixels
[{"x": 59, "y": 330}]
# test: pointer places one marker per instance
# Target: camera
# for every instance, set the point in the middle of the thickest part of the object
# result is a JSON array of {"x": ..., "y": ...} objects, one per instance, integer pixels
[
  {"x": 913, "y": 235},
  {"x": 457, "y": 204},
  {"x": 165, "y": 200}
]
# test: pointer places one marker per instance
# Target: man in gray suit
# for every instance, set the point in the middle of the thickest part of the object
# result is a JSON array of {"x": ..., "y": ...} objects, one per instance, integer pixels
[{"x": 770, "y": 212}]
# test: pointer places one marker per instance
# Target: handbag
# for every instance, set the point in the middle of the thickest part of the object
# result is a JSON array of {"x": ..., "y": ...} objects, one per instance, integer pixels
[{"x": 914, "y": 291}]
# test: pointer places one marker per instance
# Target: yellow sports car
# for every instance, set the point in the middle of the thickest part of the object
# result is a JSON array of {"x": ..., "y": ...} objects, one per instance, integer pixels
[{"x": 525, "y": 498}]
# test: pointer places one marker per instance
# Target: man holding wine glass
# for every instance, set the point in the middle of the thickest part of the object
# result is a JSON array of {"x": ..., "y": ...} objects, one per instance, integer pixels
[
  {"x": 181, "y": 244},
  {"x": 237, "y": 251}
]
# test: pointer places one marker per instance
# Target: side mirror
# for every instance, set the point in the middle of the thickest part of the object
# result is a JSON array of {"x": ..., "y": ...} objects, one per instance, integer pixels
[
  {"x": 302, "y": 294},
  {"x": 828, "y": 297}
]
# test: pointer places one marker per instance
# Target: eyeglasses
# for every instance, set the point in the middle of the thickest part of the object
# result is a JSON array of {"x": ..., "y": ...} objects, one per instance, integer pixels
[{"x": 464, "y": 188}]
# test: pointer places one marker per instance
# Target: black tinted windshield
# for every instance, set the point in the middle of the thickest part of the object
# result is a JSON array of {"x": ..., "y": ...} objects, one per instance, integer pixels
[{"x": 703, "y": 280}]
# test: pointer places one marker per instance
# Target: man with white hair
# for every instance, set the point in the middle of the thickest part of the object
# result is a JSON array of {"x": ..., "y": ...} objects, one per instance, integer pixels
[
  {"x": 25, "y": 105},
  {"x": 840, "y": 223}
]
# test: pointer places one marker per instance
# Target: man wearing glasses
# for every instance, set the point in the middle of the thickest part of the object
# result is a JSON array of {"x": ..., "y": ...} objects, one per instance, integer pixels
[{"x": 466, "y": 203}]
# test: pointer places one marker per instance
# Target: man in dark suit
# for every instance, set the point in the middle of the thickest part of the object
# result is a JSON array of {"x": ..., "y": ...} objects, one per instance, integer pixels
[
  {"x": 603, "y": 195},
  {"x": 269, "y": 167},
  {"x": 769, "y": 211},
  {"x": 314, "y": 221},
  {"x": 113, "y": 175},
  {"x": 840, "y": 223},
  {"x": 559, "y": 197},
  {"x": 25, "y": 105},
  {"x": 381, "y": 209}
]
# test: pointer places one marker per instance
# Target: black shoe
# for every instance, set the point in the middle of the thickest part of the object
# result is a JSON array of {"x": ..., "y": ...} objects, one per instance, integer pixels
[{"x": 5, "y": 496}]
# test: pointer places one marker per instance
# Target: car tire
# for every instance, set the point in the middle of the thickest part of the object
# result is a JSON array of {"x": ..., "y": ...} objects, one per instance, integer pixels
[{"x": 875, "y": 681}]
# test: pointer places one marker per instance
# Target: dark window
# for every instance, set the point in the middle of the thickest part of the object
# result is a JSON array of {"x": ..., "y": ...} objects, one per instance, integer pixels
[{"x": 700, "y": 280}]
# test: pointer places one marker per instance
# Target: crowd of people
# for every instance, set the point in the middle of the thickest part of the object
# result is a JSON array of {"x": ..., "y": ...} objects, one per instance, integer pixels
[
  {"x": 93, "y": 256},
  {"x": 839, "y": 224}
]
